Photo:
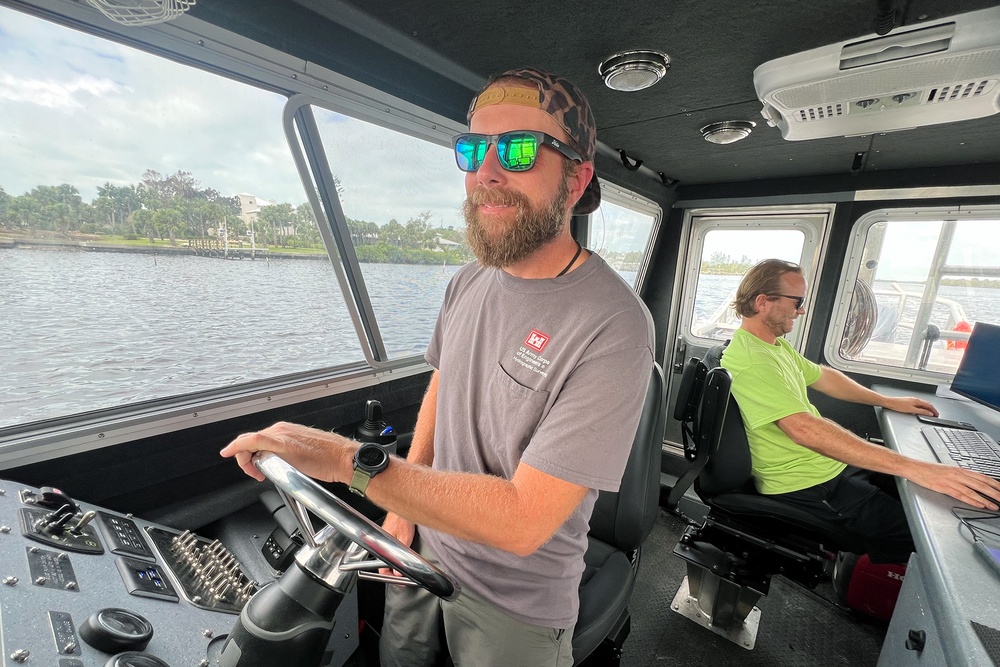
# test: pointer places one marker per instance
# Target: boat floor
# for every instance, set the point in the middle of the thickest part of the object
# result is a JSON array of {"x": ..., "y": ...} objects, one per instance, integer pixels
[{"x": 797, "y": 626}]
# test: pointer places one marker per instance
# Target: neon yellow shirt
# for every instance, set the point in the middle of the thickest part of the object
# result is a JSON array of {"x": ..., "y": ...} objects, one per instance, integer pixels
[{"x": 769, "y": 383}]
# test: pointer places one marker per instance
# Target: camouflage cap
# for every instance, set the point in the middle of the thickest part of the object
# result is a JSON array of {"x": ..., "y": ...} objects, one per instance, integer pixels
[{"x": 565, "y": 103}]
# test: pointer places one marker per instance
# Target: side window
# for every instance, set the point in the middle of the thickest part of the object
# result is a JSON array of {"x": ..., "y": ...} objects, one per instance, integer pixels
[
  {"x": 914, "y": 285},
  {"x": 726, "y": 255},
  {"x": 621, "y": 231},
  {"x": 154, "y": 240},
  {"x": 723, "y": 245},
  {"x": 402, "y": 198}
]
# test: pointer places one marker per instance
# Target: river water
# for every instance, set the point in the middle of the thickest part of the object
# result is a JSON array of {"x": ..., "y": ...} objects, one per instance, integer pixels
[{"x": 81, "y": 331}]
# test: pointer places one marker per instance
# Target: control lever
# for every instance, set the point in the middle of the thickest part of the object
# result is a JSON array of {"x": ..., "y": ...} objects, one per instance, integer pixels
[
  {"x": 87, "y": 517},
  {"x": 54, "y": 523}
]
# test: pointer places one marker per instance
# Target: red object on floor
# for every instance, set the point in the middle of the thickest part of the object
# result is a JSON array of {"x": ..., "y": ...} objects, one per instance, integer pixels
[{"x": 873, "y": 589}]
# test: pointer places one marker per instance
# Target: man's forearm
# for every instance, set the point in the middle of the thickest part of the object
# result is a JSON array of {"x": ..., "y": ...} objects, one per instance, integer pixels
[
  {"x": 837, "y": 385},
  {"x": 516, "y": 515},
  {"x": 830, "y": 439},
  {"x": 422, "y": 446}
]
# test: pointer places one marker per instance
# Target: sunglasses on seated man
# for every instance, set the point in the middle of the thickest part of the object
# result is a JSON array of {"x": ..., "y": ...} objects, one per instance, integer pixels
[
  {"x": 516, "y": 150},
  {"x": 799, "y": 300}
]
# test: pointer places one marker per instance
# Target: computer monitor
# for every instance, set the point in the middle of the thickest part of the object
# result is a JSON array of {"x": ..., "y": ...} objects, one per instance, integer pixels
[{"x": 978, "y": 377}]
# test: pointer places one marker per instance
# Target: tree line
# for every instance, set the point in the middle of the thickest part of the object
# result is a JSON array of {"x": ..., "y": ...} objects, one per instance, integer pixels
[
  {"x": 721, "y": 263},
  {"x": 177, "y": 206}
]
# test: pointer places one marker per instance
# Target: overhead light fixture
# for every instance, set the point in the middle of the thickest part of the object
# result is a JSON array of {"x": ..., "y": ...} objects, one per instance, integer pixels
[
  {"x": 728, "y": 131},
  {"x": 629, "y": 71}
]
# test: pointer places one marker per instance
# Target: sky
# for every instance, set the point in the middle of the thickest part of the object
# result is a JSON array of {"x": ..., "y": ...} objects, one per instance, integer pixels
[
  {"x": 80, "y": 110},
  {"x": 909, "y": 246},
  {"x": 84, "y": 111}
]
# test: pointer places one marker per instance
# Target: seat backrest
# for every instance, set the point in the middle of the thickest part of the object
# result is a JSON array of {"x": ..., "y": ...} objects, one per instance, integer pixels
[
  {"x": 624, "y": 518},
  {"x": 689, "y": 391},
  {"x": 688, "y": 399},
  {"x": 721, "y": 433}
]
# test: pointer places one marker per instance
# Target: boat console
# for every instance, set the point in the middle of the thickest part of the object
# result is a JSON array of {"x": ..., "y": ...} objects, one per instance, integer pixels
[{"x": 83, "y": 586}]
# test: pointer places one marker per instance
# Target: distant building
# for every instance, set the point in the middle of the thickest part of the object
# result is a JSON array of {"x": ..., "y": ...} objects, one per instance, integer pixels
[
  {"x": 444, "y": 244},
  {"x": 250, "y": 206}
]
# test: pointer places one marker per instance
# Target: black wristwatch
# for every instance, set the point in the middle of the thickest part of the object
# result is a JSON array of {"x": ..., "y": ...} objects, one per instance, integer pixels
[{"x": 369, "y": 460}]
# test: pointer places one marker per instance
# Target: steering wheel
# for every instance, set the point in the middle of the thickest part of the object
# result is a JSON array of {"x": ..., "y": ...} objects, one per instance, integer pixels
[{"x": 304, "y": 491}]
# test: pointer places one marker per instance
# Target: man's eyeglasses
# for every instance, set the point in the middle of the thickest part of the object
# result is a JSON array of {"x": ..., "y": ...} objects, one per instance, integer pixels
[
  {"x": 799, "y": 300},
  {"x": 516, "y": 150}
]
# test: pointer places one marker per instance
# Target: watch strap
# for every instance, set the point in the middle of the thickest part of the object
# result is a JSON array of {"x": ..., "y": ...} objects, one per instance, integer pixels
[{"x": 359, "y": 482}]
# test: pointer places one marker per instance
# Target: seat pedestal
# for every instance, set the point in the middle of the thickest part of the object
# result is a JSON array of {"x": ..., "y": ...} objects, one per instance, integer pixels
[
  {"x": 720, "y": 605},
  {"x": 720, "y": 590}
]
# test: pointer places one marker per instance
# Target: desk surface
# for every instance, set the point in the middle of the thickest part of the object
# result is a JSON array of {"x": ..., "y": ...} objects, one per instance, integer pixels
[{"x": 960, "y": 586}]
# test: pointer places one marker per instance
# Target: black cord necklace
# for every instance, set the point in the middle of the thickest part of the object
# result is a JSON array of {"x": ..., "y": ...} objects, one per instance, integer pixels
[{"x": 579, "y": 249}]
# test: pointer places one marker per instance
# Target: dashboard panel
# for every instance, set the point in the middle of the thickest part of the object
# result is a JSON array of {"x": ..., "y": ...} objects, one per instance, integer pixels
[{"x": 83, "y": 586}]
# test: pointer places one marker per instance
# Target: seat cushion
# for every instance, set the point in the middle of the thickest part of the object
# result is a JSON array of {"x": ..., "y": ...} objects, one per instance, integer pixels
[
  {"x": 773, "y": 515},
  {"x": 604, "y": 592}
]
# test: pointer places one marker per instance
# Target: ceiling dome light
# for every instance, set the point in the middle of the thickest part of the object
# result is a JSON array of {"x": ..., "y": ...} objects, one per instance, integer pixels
[
  {"x": 728, "y": 131},
  {"x": 629, "y": 71}
]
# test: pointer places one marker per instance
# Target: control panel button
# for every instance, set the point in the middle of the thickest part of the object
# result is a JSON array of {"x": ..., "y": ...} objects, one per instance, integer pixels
[
  {"x": 146, "y": 580},
  {"x": 124, "y": 537}
]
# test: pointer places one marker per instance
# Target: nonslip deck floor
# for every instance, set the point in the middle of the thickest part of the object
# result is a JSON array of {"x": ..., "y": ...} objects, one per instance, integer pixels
[{"x": 797, "y": 626}]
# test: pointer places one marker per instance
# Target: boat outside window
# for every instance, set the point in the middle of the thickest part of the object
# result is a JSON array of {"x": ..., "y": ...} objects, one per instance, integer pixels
[
  {"x": 915, "y": 284},
  {"x": 154, "y": 237}
]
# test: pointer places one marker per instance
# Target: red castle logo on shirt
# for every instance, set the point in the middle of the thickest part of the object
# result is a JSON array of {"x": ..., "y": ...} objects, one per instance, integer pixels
[{"x": 536, "y": 340}]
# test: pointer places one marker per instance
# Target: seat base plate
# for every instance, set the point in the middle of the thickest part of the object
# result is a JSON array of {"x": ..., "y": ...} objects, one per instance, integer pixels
[{"x": 687, "y": 606}]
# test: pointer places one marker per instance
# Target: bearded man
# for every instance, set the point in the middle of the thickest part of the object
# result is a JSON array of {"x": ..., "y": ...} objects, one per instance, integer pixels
[{"x": 542, "y": 356}]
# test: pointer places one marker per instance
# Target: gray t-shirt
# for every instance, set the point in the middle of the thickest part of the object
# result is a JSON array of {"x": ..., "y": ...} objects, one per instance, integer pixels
[{"x": 549, "y": 372}]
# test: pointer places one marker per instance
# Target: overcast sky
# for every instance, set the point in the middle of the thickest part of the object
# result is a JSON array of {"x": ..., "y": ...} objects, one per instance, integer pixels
[{"x": 84, "y": 111}]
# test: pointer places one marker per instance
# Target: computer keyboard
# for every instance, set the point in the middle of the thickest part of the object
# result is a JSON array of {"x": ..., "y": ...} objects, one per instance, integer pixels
[{"x": 972, "y": 450}]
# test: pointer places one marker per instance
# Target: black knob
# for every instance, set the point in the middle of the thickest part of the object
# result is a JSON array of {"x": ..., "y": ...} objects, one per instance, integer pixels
[
  {"x": 135, "y": 659},
  {"x": 52, "y": 498},
  {"x": 915, "y": 640},
  {"x": 115, "y": 630}
]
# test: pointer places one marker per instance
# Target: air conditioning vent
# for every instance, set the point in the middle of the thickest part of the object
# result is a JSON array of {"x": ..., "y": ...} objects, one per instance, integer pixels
[
  {"x": 882, "y": 84},
  {"x": 959, "y": 91},
  {"x": 821, "y": 112}
]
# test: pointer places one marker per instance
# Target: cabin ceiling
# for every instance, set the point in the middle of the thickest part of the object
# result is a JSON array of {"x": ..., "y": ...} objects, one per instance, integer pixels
[{"x": 714, "y": 46}]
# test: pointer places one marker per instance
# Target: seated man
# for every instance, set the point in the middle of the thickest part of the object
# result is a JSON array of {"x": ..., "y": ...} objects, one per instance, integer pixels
[{"x": 810, "y": 461}]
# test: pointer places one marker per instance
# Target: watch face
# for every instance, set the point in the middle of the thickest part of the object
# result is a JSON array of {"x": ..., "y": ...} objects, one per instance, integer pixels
[{"x": 371, "y": 457}]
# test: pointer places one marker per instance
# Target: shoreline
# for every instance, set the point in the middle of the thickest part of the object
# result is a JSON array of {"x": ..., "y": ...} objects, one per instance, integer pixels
[{"x": 93, "y": 246}]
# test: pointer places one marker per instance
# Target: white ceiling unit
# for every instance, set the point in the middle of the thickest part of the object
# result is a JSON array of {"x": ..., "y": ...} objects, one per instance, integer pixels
[{"x": 945, "y": 71}]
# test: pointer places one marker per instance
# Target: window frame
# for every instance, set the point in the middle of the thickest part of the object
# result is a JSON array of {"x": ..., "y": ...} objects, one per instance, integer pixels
[
  {"x": 619, "y": 196},
  {"x": 849, "y": 273},
  {"x": 814, "y": 221}
]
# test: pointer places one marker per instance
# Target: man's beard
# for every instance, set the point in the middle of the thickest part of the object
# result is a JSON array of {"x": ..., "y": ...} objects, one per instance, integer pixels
[
  {"x": 777, "y": 326},
  {"x": 500, "y": 242}
]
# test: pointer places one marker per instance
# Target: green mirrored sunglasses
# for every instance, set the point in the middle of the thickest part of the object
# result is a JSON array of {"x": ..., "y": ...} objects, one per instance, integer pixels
[{"x": 516, "y": 150}]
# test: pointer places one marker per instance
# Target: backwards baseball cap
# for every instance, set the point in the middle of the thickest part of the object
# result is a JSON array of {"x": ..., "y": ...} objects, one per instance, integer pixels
[{"x": 561, "y": 100}]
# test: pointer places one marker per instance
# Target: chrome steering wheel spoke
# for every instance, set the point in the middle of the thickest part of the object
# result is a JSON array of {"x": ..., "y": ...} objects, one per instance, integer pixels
[{"x": 328, "y": 557}]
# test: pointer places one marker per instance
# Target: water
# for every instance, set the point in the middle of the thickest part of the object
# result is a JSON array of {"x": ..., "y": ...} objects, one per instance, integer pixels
[
  {"x": 978, "y": 303},
  {"x": 81, "y": 330}
]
